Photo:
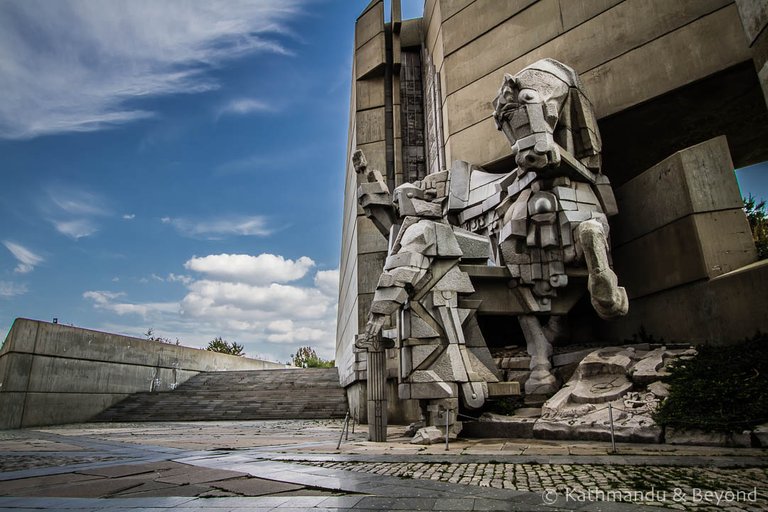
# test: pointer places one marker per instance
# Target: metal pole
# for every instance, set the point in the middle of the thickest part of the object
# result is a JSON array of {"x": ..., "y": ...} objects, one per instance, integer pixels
[
  {"x": 447, "y": 420},
  {"x": 343, "y": 428},
  {"x": 346, "y": 437},
  {"x": 610, "y": 417}
]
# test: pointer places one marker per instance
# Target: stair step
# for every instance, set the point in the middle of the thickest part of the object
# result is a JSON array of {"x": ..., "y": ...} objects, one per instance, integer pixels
[{"x": 252, "y": 394}]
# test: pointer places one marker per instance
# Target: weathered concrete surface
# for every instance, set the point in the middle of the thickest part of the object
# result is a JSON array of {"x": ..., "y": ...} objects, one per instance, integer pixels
[
  {"x": 52, "y": 374},
  {"x": 726, "y": 309},
  {"x": 690, "y": 252}
]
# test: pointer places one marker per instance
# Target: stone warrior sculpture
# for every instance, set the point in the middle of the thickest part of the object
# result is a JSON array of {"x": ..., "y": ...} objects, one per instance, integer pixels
[
  {"x": 545, "y": 221},
  {"x": 443, "y": 356}
]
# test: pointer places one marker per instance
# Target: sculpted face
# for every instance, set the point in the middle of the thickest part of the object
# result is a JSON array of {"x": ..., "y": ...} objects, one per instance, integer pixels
[{"x": 527, "y": 109}]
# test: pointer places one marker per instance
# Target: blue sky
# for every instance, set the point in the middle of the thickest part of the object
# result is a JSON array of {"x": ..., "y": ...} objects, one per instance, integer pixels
[{"x": 177, "y": 166}]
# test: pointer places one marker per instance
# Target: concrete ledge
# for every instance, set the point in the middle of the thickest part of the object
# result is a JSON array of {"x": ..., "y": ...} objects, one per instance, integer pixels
[{"x": 727, "y": 309}]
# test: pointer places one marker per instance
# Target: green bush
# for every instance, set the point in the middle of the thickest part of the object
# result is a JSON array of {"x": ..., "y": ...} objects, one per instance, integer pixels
[
  {"x": 722, "y": 389},
  {"x": 758, "y": 222},
  {"x": 306, "y": 357}
]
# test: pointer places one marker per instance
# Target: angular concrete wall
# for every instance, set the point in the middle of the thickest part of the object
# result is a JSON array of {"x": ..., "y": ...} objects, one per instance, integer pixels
[
  {"x": 684, "y": 251},
  {"x": 53, "y": 374}
]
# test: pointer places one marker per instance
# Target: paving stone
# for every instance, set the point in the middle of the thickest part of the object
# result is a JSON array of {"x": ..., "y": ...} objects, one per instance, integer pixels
[{"x": 255, "y": 486}]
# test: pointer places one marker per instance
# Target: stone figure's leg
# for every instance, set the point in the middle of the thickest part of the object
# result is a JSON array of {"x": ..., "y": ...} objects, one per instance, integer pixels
[
  {"x": 541, "y": 381},
  {"x": 556, "y": 328},
  {"x": 608, "y": 298},
  {"x": 436, "y": 411}
]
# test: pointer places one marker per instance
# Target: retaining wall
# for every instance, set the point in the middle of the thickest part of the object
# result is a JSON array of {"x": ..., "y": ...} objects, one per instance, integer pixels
[{"x": 53, "y": 374}]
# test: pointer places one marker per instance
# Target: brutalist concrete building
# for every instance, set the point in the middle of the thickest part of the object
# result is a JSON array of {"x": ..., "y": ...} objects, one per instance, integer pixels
[{"x": 679, "y": 91}]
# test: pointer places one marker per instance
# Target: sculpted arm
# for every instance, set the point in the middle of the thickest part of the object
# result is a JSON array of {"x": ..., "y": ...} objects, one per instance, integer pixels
[
  {"x": 402, "y": 272},
  {"x": 373, "y": 194}
]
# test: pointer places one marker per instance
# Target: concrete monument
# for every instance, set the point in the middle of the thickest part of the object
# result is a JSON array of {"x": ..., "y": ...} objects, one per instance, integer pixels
[{"x": 544, "y": 220}]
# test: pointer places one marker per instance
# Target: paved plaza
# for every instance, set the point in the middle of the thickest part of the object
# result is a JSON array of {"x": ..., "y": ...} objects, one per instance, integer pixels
[{"x": 294, "y": 465}]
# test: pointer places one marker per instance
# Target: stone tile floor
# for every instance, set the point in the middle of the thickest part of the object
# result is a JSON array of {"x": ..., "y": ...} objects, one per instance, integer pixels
[{"x": 294, "y": 465}]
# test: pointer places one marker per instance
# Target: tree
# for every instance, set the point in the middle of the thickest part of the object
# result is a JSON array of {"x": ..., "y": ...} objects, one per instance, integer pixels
[
  {"x": 150, "y": 335},
  {"x": 758, "y": 222},
  {"x": 224, "y": 347},
  {"x": 306, "y": 357}
]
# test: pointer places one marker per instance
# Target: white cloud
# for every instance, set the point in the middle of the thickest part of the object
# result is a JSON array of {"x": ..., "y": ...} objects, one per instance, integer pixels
[
  {"x": 8, "y": 289},
  {"x": 244, "y": 268},
  {"x": 327, "y": 281},
  {"x": 72, "y": 65},
  {"x": 102, "y": 297},
  {"x": 75, "y": 229},
  {"x": 27, "y": 259},
  {"x": 267, "y": 317},
  {"x": 76, "y": 201},
  {"x": 129, "y": 216},
  {"x": 244, "y": 106},
  {"x": 217, "y": 228},
  {"x": 106, "y": 300},
  {"x": 73, "y": 211},
  {"x": 179, "y": 278}
]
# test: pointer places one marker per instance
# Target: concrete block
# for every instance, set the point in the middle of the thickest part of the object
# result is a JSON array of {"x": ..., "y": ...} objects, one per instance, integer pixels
[
  {"x": 370, "y": 59},
  {"x": 375, "y": 153},
  {"x": 369, "y": 93},
  {"x": 473, "y": 60},
  {"x": 473, "y": 246},
  {"x": 59, "y": 408},
  {"x": 754, "y": 17},
  {"x": 726, "y": 309},
  {"x": 497, "y": 425},
  {"x": 697, "y": 179},
  {"x": 503, "y": 388},
  {"x": 369, "y": 238},
  {"x": 369, "y": 24},
  {"x": 576, "y": 12},
  {"x": 15, "y": 370},
  {"x": 626, "y": 27},
  {"x": 76, "y": 343},
  {"x": 449, "y": 8},
  {"x": 476, "y": 19},
  {"x": 699, "y": 246},
  {"x": 22, "y": 336},
  {"x": 57, "y": 375},
  {"x": 12, "y": 405},
  {"x": 628, "y": 80},
  {"x": 370, "y": 125}
]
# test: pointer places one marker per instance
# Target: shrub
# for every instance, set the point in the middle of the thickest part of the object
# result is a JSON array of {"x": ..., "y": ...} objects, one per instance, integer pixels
[{"x": 723, "y": 389}]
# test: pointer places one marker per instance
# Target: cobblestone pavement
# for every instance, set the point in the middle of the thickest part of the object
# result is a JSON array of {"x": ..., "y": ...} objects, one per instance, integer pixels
[
  {"x": 681, "y": 488},
  {"x": 284, "y": 465}
]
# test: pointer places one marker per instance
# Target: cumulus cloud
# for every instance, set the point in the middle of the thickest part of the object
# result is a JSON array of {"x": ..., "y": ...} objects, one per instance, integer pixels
[
  {"x": 27, "y": 259},
  {"x": 8, "y": 289},
  {"x": 73, "y": 65},
  {"x": 327, "y": 281},
  {"x": 244, "y": 268},
  {"x": 129, "y": 216},
  {"x": 243, "y": 298},
  {"x": 221, "y": 227}
]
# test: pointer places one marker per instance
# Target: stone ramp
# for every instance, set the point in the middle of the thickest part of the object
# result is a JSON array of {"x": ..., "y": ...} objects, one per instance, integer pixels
[{"x": 239, "y": 395}]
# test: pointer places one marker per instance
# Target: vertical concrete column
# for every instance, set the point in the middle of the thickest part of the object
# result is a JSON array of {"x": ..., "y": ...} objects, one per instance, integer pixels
[
  {"x": 754, "y": 18},
  {"x": 377, "y": 395}
]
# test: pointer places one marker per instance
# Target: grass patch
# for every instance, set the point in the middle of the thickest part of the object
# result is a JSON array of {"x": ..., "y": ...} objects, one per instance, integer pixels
[{"x": 722, "y": 389}]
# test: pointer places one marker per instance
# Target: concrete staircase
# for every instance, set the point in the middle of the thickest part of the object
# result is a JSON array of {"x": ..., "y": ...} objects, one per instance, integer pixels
[{"x": 239, "y": 395}]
